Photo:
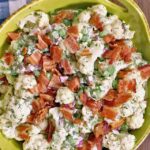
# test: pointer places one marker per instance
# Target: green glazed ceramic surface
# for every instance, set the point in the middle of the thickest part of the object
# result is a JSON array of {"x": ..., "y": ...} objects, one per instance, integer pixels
[{"x": 130, "y": 13}]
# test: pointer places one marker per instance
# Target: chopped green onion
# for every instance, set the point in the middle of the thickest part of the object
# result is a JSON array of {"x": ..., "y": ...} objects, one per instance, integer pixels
[
  {"x": 109, "y": 71},
  {"x": 102, "y": 34},
  {"x": 14, "y": 73},
  {"x": 67, "y": 22},
  {"x": 124, "y": 128},
  {"x": 100, "y": 59},
  {"x": 62, "y": 33},
  {"x": 84, "y": 38},
  {"x": 77, "y": 115},
  {"x": 115, "y": 84},
  {"x": 48, "y": 74}
]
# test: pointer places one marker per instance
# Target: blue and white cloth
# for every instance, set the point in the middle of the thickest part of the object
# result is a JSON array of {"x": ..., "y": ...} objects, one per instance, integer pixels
[{"x": 7, "y": 7}]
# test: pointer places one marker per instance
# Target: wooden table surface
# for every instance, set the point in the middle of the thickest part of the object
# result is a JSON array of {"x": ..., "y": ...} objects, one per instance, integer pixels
[{"x": 145, "y": 6}]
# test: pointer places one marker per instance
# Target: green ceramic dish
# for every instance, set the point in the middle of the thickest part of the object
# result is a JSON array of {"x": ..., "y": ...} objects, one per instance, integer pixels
[{"x": 131, "y": 13}]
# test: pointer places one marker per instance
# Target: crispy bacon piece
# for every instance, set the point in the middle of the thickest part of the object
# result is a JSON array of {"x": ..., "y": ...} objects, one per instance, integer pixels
[
  {"x": 118, "y": 50},
  {"x": 67, "y": 113},
  {"x": 101, "y": 129},
  {"x": 63, "y": 14},
  {"x": 48, "y": 64},
  {"x": 43, "y": 82},
  {"x": 91, "y": 142},
  {"x": 23, "y": 130},
  {"x": 34, "y": 58},
  {"x": 73, "y": 31},
  {"x": 109, "y": 38},
  {"x": 73, "y": 84},
  {"x": 123, "y": 73},
  {"x": 8, "y": 58},
  {"x": 65, "y": 64},
  {"x": 41, "y": 43},
  {"x": 95, "y": 106},
  {"x": 24, "y": 51},
  {"x": 47, "y": 40},
  {"x": 117, "y": 124},
  {"x": 71, "y": 44},
  {"x": 14, "y": 35},
  {"x": 108, "y": 112},
  {"x": 85, "y": 52},
  {"x": 113, "y": 55},
  {"x": 145, "y": 71},
  {"x": 95, "y": 21},
  {"x": 121, "y": 99},
  {"x": 50, "y": 130},
  {"x": 83, "y": 98},
  {"x": 46, "y": 97},
  {"x": 56, "y": 53},
  {"x": 111, "y": 95},
  {"x": 54, "y": 82},
  {"x": 126, "y": 86}
]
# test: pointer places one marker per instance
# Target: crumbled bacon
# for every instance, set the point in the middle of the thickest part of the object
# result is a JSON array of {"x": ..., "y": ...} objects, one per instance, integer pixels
[
  {"x": 14, "y": 35},
  {"x": 8, "y": 58},
  {"x": 117, "y": 124},
  {"x": 71, "y": 44},
  {"x": 145, "y": 71},
  {"x": 108, "y": 112},
  {"x": 56, "y": 53},
  {"x": 73, "y": 84},
  {"x": 63, "y": 14},
  {"x": 41, "y": 43},
  {"x": 109, "y": 38},
  {"x": 34, "y": 59},
  {"x": 73, "y": 31},
  {"x": 65, "y": 64},
  {"x": 95, "y": 21}
]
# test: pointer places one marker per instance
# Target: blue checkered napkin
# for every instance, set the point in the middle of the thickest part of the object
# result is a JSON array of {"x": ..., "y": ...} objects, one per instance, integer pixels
[{"x": 7, "y": 7}]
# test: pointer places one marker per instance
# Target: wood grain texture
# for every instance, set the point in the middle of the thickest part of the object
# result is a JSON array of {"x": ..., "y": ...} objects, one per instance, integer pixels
[{"x": 145, "y": 6}]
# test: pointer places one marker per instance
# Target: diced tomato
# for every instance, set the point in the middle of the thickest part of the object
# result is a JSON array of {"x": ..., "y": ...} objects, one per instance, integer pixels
[
  {"x": 73, "y": 84},
  {"x": 48, "y": 64},
  {"x": 83, "y": 98},
  {"x": 95, "y": 21},
  {"x": 67, "y": 113},
  {"x": 145, "y": 71},
  {"x": 117, "y": 124},
  {"x": 56, "y": 53},
  {"x": 41, "y": 43},
  {"x": 71, "y": 44},
  {"x": 8, "y": 58},
  {"x": 108, "y": 112},
  {"x": 73, "y": 31},
  {"x": 65, "y": 64},
  {"x": 34, "y": 58},
  {"x": 109, "y": 38},
  {"x": 50, "y": 130},
  {"x": 55, "y": 82},
  {"x": 111, "y": 95},
  {"x": 14, "y": 35},
  {"x": 127, "y": 85},
  {"x": 64, "y": 14}
]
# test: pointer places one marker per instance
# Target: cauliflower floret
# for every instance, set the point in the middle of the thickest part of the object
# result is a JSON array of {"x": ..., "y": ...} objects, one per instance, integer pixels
[
  {"x": 33, "y": 21},
  {"x": 135, "y": 121},
  {"x": 84, "y": 16},
  {"x": 58, "y": 138},
  {"x": 36, "y": 142},
  {"x": 25, "y": 81},
  {"x": 99, "y": 9},
  {"x": 64, "y": 96},
  {"x": 118, "y": 141},
  {"x": 86, "y": 65}
]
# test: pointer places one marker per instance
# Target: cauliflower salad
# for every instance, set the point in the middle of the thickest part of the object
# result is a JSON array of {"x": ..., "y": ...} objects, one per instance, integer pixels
[{"x": 72, "y": 80}]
